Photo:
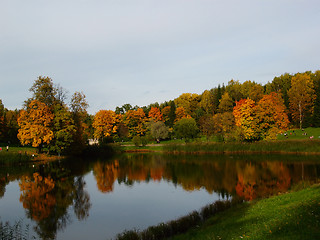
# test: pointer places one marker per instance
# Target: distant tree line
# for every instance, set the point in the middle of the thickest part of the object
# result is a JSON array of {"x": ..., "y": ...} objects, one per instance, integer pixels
[{"x": 246, "y": 111}]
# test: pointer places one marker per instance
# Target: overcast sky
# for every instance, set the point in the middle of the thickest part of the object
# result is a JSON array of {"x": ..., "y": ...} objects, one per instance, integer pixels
[{"x": 146, "y": 51}]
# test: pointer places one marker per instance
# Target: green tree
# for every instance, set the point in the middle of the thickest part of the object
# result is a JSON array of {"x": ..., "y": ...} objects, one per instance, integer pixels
[
  {"x": 186, "y": 128},
  {"x": 43, "y": 91},
  {"x": 159, "y": 130},
  {"x": 316, "y": 111},
  {"x": 63, "y": 129},
  {"x": 78, "y": 108}
]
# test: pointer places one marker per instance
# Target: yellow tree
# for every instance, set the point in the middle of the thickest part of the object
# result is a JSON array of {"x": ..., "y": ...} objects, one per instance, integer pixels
[
  {"x": 105, "y": 123},
  {"x": 155, "y": 114},
  {"x": 246, "y": 119},
  {"x": 271, "y": 113},
  {"x": 135, "y": 120},
  {"x": 34, "y": 123},
  {"x": 181, "y": 113},
  {"x": 301, "y": 97},
  {"x": 189, "y": 101}
]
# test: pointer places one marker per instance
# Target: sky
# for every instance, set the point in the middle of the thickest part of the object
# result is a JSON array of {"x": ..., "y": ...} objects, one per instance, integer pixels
[{"x": 146, "y": 51}]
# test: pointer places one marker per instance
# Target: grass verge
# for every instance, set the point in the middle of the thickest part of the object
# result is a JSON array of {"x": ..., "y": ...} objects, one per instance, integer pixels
[{"x": 294, "y": 215}]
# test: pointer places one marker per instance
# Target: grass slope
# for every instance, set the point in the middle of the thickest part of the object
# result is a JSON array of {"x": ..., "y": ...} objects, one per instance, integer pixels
[{"x": 295, "y": 215}]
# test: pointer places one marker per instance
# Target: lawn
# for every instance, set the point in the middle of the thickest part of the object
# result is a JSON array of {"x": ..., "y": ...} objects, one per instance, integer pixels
[
  {"x": 294, "y": 215},
  {"x": 300, "y": 134}
]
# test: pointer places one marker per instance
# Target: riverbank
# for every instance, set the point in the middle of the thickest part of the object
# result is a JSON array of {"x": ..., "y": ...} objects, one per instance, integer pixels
[
  {"x": 308, "y": 146},
  {"x": 294, "y": 215}
]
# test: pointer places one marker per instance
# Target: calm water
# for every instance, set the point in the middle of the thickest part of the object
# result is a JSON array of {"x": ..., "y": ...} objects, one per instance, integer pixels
[{"x": 80, "y": 200}]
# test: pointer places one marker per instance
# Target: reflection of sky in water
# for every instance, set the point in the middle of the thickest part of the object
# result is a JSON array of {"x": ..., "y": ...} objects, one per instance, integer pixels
[
  {"x": 127, "y": 207},
  {"x": 137, "y": 206}
]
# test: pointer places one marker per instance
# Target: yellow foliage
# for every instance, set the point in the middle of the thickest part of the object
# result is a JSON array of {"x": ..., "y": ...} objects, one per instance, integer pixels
[{"x": 35, "y": 123}]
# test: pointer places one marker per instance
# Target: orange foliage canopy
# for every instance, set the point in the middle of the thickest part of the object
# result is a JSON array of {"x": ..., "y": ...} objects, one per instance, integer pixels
[
  {"x": 105, "y": 123},
  {"x": 155, "y": 114},
  {"x": 181, "y": 113},
  {"x": 35, "y": 124},
  {"x": 136, "y": 120},
  {"x": 36, "y": 195}
]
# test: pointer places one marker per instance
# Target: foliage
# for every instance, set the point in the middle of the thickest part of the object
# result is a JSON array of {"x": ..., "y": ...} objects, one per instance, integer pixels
[
  {"x": 181, "y": 113},
  {"x": 246, "y": 119},
  {"x": 105, "y": 123},
  {"x": 226, "y": 103},
  {"x": 135, "y": 120},
  {"x": 301, "y": 97},
  {"x": 63, "y": 129},
  {"x": 186, "y": 128},
  {"x": 155, "y": 114},
  {"x": 272, "y": 116},
  {"x": 43, "y": 91},
  {"x": 189, "y": 101},
  {"x": 159, "y": 130},
  {"x": 35, "y": 124},
  {"x": 207, "y": 101}
]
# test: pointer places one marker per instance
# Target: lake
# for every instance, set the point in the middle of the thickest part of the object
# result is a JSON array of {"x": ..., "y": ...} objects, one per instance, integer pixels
[{"x": 78, "y": 199}]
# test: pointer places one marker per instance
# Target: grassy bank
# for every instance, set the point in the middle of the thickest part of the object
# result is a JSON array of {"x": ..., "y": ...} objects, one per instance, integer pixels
[
  {"x": 289, "y": 146},
  {"x": 306, "y": 146},
  {"x": 294, "y": 215}
]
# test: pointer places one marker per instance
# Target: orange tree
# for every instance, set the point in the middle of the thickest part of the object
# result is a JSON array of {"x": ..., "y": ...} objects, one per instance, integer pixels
[
  {"x": 246, "y": 119},
  {"x": 105, "y": 123},
  {"x": 34, "y": 123},
  {"x": 155, "y": 114},
  {"x": 271, "y": 113},
  {"x": 136, "y": 120}
]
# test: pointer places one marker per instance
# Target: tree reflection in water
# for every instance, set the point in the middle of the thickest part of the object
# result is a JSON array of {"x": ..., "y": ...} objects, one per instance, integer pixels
[
  {"x": 47, "y": 195},
  {"x": 48, "y": 192}
]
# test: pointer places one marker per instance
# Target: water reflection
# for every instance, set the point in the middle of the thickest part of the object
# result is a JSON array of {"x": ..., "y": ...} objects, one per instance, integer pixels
[
  {"x": 47, "y": 195},
  {"x": 246, "y": 178},
  {"x": 53, "y": 195}
]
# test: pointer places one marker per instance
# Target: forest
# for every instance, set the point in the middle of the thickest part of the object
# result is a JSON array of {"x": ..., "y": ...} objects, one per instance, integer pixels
[{"x": 246, "y": 111}]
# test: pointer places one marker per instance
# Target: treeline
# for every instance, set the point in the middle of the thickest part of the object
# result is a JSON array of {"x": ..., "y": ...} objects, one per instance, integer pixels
[{"x": 246, "y": 111}]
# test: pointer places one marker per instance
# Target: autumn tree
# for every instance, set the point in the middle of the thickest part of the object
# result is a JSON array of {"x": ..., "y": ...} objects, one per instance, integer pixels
[
  {"x": 234, "y": 89},
  {"x": 181, "y": 113},
  {"x": 207, "y": 125},
  {"x": 135, "y": 120},
  {"x": 252, "y": 90},
  {"x": 301, "y": 97},
  {"x": 272, "y": 117},
  {"x": 246, "y": 120},
  {"x": 207, "y": 102},
  {"x": 155, "y": 114},
  {"x": 189, "y": 101},
  {"x": 280, "y": 84},
  {"x": 226, "y": 103},
  {"x": 34, "y": 123},
  {"x": 105, "y": 123}
]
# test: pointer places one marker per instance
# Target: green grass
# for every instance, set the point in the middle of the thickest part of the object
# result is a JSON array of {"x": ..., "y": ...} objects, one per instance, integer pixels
[
  {"x": 289, "y": 146},
  {"x": 294, "y": 215},
  {"x": 298, "y": 134}
]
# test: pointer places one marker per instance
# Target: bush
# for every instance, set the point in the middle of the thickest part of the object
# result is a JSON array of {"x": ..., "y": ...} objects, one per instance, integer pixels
[{"x": 136, "y": 141}]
